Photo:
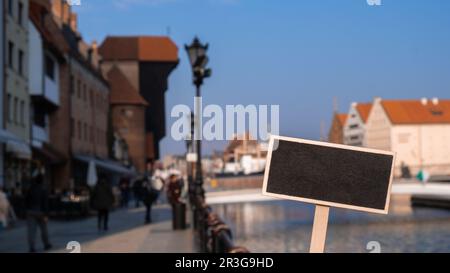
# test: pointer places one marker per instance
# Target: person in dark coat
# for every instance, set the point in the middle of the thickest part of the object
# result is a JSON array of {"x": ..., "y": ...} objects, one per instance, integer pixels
[
  {"x": 174, "y": 189},
  {"x": 36, "y": 203},
  {"x": 125, "y": 192},
  {"x": 102, "y": 201},
  {"x": 149, "y": 196},
  {"x": 137, "y": 191}
]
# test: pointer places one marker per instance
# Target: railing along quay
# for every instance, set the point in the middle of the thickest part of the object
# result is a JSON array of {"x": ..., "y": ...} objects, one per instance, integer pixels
[{"x": 214, "y": 235}]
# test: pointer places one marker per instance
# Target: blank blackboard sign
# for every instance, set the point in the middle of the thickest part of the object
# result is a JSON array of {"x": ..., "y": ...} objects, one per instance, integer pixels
[{"x": 328, "y": 174}]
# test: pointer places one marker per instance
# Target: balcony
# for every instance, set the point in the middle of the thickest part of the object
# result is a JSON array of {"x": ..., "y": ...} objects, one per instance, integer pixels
[
  {"x": 51, "y": 91},
  {"x": 40, "y": 136}
]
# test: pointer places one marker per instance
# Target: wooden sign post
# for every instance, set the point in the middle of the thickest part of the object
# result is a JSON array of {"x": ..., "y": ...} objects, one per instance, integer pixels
[
  {"x": 319, "y": 232},
  {"x": 328, "y": 175}
]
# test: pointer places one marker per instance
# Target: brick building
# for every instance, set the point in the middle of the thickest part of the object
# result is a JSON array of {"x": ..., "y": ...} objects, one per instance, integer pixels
[
  {"x": 81, "y": 128},
  {"x": 128, "y": 117},
  {"x": 146, "y": 63},
  {"x": 336, "y": 134}
]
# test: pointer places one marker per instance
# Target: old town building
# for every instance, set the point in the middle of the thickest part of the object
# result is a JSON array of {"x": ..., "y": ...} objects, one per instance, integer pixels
[
  {"x": 146, "y": 62},
  {"x": 16, "y": 96},
  {"x": 336, "y": 134},
  {"x": 354, "y": 127},
  {"x": 417, "y": 130}
]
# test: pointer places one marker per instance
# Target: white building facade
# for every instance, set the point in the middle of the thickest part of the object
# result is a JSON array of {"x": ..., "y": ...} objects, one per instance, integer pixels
[
  {"x": 355, "y": 126},
  {"x": 418, "y": 131}
]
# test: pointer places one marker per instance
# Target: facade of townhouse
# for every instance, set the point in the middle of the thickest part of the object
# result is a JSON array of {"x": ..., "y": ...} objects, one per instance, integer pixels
[
  {"x": 336, "y": 134},
  {"x": 47, "y": 82},
  {"x": 3, "y": 133},
  {"x": 417, "y": 130},
  {"x": 82, "y": 130},
  {"x": 354, "y": 128},
  {"x": 146, "y": 62},
  {"x": 17, "y": 156}
]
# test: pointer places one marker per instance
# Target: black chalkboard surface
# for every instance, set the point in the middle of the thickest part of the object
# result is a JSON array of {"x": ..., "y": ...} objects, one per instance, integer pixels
[{"x": 329, "y": 174}]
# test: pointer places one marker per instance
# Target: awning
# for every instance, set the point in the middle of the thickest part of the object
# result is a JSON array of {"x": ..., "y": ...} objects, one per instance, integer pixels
[
  {"x": 50, "y": 154},
  {"x": 15, "y": 145},
  {"x": 109, "y": 165}
]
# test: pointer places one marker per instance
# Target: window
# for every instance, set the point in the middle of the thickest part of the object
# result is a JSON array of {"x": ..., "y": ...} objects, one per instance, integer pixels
[
  {"x": 79, "y": 130},
  {"x": 72, "y": 84},
  {"x": 72, "y": 128},
  {"x": 9, "y": 108},
  {"x": 20, "y": 14},
  {"x": 22, "y": 113},
  {"x": 21, "y": 60},
  {"x": 91, "y": 97},
  {"x": 50, "y": 67},
  {"x": 10, "y": 8},
  {"x": 11, "y": 54},
  {"x": 39, "y": 117},
  {"x": 15, "y": 114},
  {"x": 354, "y": 126},
  {"x": 79, "y": 89},
  {"x": 85, "y": 132},
  {"x": 437, "y": 112},
  {"x": 92, "y": 134},
  {"x": 84, "y": 92}
]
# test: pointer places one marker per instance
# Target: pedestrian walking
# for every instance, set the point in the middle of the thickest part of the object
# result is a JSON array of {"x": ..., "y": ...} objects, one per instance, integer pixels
[
  {"x": 102, "y": 201},
  {"x": 36, "y": 202},
  {"x": 150, "y": 193},
  {"x": 137, "y": 191},
  {"x": 4, "y": 210},
  {"x": 125, "y": 192}
]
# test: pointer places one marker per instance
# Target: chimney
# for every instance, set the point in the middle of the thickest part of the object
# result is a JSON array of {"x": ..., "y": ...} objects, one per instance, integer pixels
[
  {"x": 73, "y": 21},
  {"x": 65, "y": 16},
  {"x": 93, "y": 54},
  {"x": 377, "y": 99},
  {"x": 56, "y": 8},
  {"x": 435, "y": 101},
  {"x": 424, "y": 101}
]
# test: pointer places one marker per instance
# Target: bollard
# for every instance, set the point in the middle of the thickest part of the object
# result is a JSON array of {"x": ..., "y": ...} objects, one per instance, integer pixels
[{"x": 179, "y": 216}]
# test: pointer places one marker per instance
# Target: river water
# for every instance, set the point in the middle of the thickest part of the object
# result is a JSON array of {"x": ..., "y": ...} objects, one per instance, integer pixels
[{"x": 285, "y": 226}]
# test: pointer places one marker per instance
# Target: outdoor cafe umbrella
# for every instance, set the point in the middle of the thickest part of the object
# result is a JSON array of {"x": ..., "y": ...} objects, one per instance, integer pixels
[{"x": 92, "y": 174}]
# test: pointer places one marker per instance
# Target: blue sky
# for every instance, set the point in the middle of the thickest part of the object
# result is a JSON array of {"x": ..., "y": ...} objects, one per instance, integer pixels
[{"x": 299, "y": 54}]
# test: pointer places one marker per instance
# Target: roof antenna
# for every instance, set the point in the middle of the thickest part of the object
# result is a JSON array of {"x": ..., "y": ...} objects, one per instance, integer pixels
[{"x": 335, "y": 105}]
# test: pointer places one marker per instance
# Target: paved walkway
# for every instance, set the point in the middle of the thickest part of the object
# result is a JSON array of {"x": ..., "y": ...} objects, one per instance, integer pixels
[{"x": 127, "y": 233}]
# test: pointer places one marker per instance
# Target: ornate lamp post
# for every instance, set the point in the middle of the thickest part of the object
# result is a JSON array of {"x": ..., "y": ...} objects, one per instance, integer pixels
[{"x": 198, "y": 59}]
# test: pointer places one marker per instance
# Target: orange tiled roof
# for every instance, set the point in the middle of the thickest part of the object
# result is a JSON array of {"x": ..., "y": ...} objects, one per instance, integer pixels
[
  {"x": 364, "y": 110},
  {"x": 342, "y": 118},
  {"x": 122, "y": 91},
  {"x": 416, "y": 112},
  {"x": 141, "y": 48}
]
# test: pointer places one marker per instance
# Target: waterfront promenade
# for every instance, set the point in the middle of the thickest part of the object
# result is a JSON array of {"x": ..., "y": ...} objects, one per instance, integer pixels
[{"x": 127, "y": 234}]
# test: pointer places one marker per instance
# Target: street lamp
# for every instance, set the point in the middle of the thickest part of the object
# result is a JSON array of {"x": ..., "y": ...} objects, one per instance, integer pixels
[{"x": 198, "y": 59}]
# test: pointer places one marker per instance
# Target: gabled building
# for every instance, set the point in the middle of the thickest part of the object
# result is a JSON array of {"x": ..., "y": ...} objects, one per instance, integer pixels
[
  {"x": 83, "y": 126},
  {"x": 417, "y": 130},
  {"x": 336, "y": 134},
  {"x": 47, "y": 83},
  {"x": 146, "y": 62},
  {"x": 354, "y": 127},
  {"x": 3, "y": 139},
  {"x": 16, "y": 97}
]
